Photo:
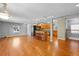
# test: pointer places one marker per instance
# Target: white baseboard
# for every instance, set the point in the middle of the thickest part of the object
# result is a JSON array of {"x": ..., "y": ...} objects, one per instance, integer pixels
[{"x": 73, "y": 38}]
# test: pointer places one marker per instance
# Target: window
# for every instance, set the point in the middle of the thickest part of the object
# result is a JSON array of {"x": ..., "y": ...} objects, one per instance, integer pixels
[
  {"x": 16, "y": 28},
  {"x": 75, "y": 28}
]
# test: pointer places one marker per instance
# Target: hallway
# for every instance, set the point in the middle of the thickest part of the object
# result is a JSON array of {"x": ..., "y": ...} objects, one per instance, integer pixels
[{"x": 31, "y": 46}]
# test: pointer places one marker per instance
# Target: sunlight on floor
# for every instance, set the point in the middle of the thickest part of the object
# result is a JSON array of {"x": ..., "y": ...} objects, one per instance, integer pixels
[
  {"x": 16, "y": 42},
  {"x": 56, "y": 44}
]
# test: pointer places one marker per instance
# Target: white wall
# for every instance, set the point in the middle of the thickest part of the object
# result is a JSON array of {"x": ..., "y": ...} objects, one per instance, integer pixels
[
  {"x": 29, "y": 29},
  {"x": 6, "y": 29},
  {"x": 0, "y": 29}
]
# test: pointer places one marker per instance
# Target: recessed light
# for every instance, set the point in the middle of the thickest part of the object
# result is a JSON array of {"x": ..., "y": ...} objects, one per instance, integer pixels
[
  {"x": 77, "y": 5},
  {"x": 4, "y": 16}
]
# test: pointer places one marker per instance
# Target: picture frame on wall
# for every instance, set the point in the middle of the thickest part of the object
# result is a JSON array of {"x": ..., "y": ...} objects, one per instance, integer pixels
[{"x": 16, "y": 28}]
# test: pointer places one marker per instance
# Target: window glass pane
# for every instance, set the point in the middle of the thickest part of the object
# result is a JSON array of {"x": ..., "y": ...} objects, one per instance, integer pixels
[{"x": 75, "y": 28}]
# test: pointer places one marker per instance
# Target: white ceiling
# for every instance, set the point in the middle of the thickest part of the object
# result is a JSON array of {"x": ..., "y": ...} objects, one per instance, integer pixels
[
  {"x": 25, "y": 12},
  {"x": 3, "y": 7}
]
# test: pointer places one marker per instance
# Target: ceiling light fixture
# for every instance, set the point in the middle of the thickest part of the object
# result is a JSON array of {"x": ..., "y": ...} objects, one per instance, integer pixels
[
  {"x": 77, "y": 5},
  {"x": 4, "y": 16}
]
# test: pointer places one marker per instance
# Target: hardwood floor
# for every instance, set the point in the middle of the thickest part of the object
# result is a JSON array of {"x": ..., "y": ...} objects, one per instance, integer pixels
[{"x": 30, "y": 46}]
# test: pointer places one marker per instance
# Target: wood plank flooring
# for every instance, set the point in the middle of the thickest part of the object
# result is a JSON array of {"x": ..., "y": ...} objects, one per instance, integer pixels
[{"x": 31, "y": 46}]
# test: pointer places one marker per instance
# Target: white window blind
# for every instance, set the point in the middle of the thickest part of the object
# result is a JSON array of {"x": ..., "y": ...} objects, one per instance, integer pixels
[{"x": 75, "y": 28}]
